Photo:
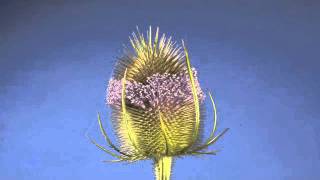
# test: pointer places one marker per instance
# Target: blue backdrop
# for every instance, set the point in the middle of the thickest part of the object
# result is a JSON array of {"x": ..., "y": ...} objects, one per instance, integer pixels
[{"x": 260, "y": 59}]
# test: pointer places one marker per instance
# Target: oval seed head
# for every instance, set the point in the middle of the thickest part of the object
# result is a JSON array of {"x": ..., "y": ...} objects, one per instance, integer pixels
[{"x": 155, "y": 98}]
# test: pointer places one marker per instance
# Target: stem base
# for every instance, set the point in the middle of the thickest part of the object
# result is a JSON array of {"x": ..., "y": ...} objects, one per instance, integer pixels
[{"x": 162, "y": 167}]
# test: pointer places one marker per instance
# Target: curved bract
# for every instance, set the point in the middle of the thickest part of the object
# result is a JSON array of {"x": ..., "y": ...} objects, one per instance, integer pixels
[{"x": 156, "y": 103}]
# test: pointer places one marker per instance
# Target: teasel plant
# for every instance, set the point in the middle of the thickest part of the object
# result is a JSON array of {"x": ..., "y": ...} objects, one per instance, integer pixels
[{"x": 157, "y": 105}]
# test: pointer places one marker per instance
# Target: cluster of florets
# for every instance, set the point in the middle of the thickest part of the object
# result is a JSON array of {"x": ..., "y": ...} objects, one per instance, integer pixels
[{"x": 157, "y": 92}]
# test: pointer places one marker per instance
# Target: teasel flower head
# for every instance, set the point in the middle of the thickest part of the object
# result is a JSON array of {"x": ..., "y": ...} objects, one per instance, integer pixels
[{"x": 157, "y": 105}]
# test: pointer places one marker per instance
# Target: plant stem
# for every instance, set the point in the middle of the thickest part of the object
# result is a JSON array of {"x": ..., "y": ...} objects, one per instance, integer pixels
[{"x": 162, "y": 167}]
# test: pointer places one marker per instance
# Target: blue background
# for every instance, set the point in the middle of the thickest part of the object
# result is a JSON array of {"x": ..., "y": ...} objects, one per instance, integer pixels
[{"x": 260, "y": 58}]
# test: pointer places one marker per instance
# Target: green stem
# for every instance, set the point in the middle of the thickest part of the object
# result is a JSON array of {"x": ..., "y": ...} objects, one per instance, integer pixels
[{"x": 162, "y": 167}]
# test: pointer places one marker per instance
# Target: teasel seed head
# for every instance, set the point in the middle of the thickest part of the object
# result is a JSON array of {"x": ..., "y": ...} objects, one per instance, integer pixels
[{"x": 157, "y": 104}]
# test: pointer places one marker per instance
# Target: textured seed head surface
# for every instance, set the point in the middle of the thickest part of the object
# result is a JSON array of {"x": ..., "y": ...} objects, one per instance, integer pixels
[{"x": 158, "y": 98}]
